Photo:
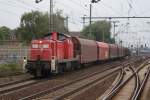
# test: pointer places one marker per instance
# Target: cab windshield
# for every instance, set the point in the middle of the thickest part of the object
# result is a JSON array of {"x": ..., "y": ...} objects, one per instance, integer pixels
[
  {"x": 60, "y": 37},
  {"x": 47, "y": 36}
]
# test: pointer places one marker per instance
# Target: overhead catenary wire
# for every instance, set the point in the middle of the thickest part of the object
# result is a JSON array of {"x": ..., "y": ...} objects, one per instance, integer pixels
[
  {"x": 111, "y": 8},
  {"x": 73, "y": 18},
  {"x": 67, "y": 6},
  {"x": 28, "y": 5},
  {"x": 9, "y": 4},
  {"x": 9, "y": 12},
  {"x": 131, "y": 7},
  {"x": 14, "y": 5},
  {"x": 21, "y": 6},
  {"x": 78, "y": 4},
  {"x": 138, "y": 6}
]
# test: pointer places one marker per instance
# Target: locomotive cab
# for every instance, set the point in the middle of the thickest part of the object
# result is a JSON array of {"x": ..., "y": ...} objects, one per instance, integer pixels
[{"x": 46, "y": 53}]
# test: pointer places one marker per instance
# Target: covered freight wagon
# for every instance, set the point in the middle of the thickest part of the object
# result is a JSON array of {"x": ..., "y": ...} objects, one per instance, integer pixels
[
  {"x": 113, "y": 51},
  {"x": 85, "y": 49},
  {"x": 120, "y": 51},
  {"x": 103, "y": 51}
]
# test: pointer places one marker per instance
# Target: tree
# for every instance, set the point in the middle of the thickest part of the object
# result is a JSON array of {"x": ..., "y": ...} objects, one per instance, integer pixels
[
  {"x": 4, "y": 33},
  {"x": 59, "y": 22},
  {"x": 100, "y": 31},
  {"x": 34, "y": 24}
]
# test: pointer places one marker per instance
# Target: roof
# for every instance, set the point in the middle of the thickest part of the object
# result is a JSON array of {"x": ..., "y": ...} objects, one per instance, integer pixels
[{"x": 103, "y": 44}]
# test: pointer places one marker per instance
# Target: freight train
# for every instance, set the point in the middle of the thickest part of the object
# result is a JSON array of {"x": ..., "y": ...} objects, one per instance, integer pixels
[{"x": 57, "y": 52}]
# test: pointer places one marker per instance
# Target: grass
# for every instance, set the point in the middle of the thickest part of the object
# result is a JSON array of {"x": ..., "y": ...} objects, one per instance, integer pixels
[{"x": 10, "y": 69}]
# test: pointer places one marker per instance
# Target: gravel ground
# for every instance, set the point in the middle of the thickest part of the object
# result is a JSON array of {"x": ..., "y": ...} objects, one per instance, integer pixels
[
  {"x": 8, "y": 79},
  {"x": 54, "y": 81},
  {"x": 95, "y": 91},
  {"x": 148, "y": 94}
]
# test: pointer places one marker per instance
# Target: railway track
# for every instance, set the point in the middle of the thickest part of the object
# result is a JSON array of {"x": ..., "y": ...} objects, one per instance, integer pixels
[
  {"x": 13, "y": 86},
  {"x": 14, "y": 82},
  {"x": 24, "y": 92},
  {"x": 130, "y": 85},
  {"x": 72, "y": 90},
  {"x": 69, "y": 88},
  {"x": 141, "y": 87},
  {"x": 9, "y": 91}
]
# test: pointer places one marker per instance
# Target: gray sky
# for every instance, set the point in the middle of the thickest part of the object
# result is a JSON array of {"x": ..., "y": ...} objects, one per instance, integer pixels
[{"x": 136, "y": 32}]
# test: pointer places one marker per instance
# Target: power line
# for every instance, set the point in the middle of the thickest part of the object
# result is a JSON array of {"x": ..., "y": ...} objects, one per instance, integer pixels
[
  {"x": 25, "y": 5},
  {"x": 9, "y": 12},
  {"x": 134, "y": 17},
  {"x": 67, "y": 6},
  {"x": 69, "y": 14},
  {"x": 139, "y": 6},
  {"x": 11, "y": 4},
  {"x": 146, "y": 11},
  {"x": 111, "y": 8},
  {"x": 131, "y": 7},
  {"x": 15, "y": 5},
  {"x": 28, "y": 5},
  {"x": 78, "y": 4}
]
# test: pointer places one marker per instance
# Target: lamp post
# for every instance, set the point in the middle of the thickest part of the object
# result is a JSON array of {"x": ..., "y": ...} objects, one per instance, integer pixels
[
  {"x": 90, "y": 21},
  {"x": 50, "y": 14},
  {"x": 114, "y": 31}
]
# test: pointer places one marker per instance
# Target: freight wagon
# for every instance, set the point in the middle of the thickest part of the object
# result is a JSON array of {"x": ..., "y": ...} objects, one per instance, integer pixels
[{"x": 57, "y": 52}]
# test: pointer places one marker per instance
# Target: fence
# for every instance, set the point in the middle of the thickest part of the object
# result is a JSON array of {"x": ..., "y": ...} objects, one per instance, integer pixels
[{"x": 12, "y": 54}]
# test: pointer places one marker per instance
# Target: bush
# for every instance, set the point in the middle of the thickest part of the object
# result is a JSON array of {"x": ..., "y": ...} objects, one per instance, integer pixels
[{"x": 10, "y": 67}]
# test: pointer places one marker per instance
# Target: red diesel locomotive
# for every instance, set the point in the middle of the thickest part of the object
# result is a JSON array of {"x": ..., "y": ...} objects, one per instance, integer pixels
[{"x": 57, "y": 52}]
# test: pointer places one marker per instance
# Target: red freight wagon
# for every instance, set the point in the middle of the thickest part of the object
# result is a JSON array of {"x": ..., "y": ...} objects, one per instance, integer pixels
[
  {"x": 126, "y": 52},
  {"x": 120, "y": 51},
  {"x": 86, "y": 49},
  {"x": 113, "y": 51},
  {"x": 103, "y": 51}
]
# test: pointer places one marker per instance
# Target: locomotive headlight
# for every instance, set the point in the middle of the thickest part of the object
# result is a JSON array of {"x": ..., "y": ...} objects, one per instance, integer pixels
[
  {"x": 40, "y": 41},
  {"x": 34, "y": 45},
  {"x": 45, "y": 46}
]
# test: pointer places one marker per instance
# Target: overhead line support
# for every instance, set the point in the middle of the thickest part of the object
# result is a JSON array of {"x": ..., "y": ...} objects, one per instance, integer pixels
[{"x": 116, "y": 17}]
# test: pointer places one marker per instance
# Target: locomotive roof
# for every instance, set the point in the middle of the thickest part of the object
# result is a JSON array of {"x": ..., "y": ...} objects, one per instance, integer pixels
[{"x": 48, "y": 34}]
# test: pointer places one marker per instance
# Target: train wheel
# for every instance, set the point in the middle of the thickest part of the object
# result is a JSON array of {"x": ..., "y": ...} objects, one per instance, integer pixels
[{"x": 46, "y": 73}]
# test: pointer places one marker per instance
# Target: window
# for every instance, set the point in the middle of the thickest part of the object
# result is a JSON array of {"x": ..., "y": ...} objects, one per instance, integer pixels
[
  {"x": 61, "y": 37},
  {"x": 47, "y": 36},
  {"x": 35, "y": 46}
]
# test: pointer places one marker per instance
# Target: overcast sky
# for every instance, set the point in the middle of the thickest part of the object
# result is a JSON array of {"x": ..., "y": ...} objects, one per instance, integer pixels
[{"x": 136, "y": 32}]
